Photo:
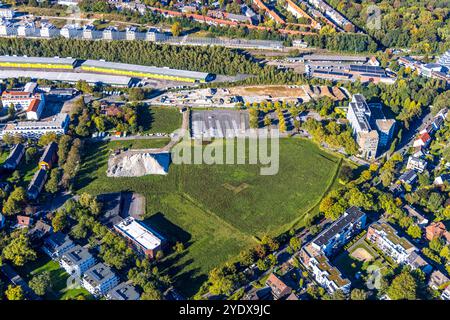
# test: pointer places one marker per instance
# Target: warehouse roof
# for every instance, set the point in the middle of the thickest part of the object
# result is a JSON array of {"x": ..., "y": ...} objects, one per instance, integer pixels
[
  {"x": 67, "y": 76},
  {"x": 25, "y": 59},
  {"x": 146, "y": 69}
]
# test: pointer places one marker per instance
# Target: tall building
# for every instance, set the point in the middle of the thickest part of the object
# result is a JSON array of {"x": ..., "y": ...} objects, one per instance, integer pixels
[{"x": 371, "y": 129}]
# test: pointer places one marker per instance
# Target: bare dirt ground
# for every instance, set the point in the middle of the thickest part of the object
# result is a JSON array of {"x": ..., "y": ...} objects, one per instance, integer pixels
[
  {"x": 274, "y": 91},
  {"x": 304, "y": 92},
  {"x": 361, "y": 254}
]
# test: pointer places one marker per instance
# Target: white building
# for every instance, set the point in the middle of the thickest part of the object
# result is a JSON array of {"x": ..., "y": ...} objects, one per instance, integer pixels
[
  {"x": 446, "y": 294},
  {"x": 32, "y": 103},
  {"x": 48, "y": 30},
  {"x": 35, "y": 129},
  {"x": 57, "y": 244},
  {"x": 416, "y": 164},
  {"x": 70, "y": 31},
  {"x": 7, "y": 13},
  {"x": 88, "y": 31},
  {"x": 26, "y": 29},
  {"x": 2, "y": 221},
  {"x": 99, "y": 280},
  {"x": 143, "y": 239},
  {"x": 359, "y": 115},
  {"x": 444, "y": 60},
  {"x": 323, "y": 272},
  {"x": 123, "y": 291},
  {"x": 385, "y": 237},
  {"x": 68, "y": 2},
  {"x": 7, "y": 28},
  {"x": 110, "y": 33},
  {"x": 77, "y": 261},
  {"x": 130, "y": 33}
]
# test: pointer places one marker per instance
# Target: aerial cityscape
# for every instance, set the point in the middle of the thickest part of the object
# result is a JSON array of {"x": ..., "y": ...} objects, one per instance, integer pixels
[{"x": 254, "y": 151}]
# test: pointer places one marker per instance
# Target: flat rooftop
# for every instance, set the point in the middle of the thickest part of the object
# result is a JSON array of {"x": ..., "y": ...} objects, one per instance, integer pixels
[
  {"x": 142, "y": 234},
  {"x": 42, "y": 60},
  {"x": 351, "y": 215},
  {"x": 67, "y": 76},
  {"x": 219, "y": 123},
  {"x": 145, "y": 69}
]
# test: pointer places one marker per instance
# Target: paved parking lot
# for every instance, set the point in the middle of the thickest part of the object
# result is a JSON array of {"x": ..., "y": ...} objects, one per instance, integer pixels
[{"x": 219, "y": 123}]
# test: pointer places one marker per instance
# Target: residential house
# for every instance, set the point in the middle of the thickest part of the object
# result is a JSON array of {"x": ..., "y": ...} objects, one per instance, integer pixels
[
  {"x": 416, "y": 261},
  {"x": 35, "y": 129},
  {"x": 418, "y": 218},
  {"x": 442, "y": 179},
  {"x": 416, "y": 164},
  {"x": 57, "y": 244},
  {"x": 438, "y": 280},
  {"x": 123, "y": 291},
  {"x": 340, "y": 231},
  {"x": 328, "y": 276},
  {"x": 435, "y": 230},
  {"x": 314, "y": 254},
  {"x": 446, "y": 294},
  {"x": 385, "y": 237},
  {"x": 36, "y": 184},
  {"x": 14, "y": 158},
  {"x": 423, "y": 140},
  {"x": 49, "y": 157},
  {"x": 24, "y": 221},
  {"x": 373, "y": 61},
  {"x": 40, "y": 230},
  {"x": 396, "y": 189},
  {"x": 142, "y": 238},
  {"x": 278, "y": 287},
  {"x": 99, "y": 280},
  {"x": 409, "y": 177},
  {"x": 77, "y": 260}
]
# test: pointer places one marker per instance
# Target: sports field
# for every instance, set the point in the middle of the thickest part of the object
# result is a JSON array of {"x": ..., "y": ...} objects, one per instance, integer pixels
[{"x": 218, "y": 210}]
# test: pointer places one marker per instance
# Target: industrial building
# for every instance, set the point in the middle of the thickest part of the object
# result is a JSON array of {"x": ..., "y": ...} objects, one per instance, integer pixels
[
  {"x": 69, "y": 77},
  {"x": 145, "y": 71},
  {"x": 141, "y": 237},
  {"x": 37, "y": 62}
]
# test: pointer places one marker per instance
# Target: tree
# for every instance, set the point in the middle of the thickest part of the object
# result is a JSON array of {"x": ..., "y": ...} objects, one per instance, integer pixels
[
  {"x": 151, "y": 292},
  {"x": 30, "y": 153},
  {"x": 403, "y": 287},
  {"x": 358, "y": 294},
  {"x": 136, "y": 94},
  {"x": 14, "y": 293},
  {"x": 52, "y": 184},
  {"x": 45, "y": 139},
  {"x": 19, "y": 251},
  {"x": 41, "y": 283},
  {"x": 179, "y": 247},
  {"x": 176, "y": 29},
  {"x": 63, "y": 149},
  {"x": 15, "y": 201},
  {"x": 435, "y": 201},
  {"x": 59, "y": 221},
  {"x": 414, "y": 231},
  {"x": 295, "y": 243}
]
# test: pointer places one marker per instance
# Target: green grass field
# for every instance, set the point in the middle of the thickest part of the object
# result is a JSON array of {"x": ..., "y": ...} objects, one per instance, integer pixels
[
  {"x": 218, "y": 210},
  {"x": 58, "y": 277},
  {"x": 160, "y": 119}
]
